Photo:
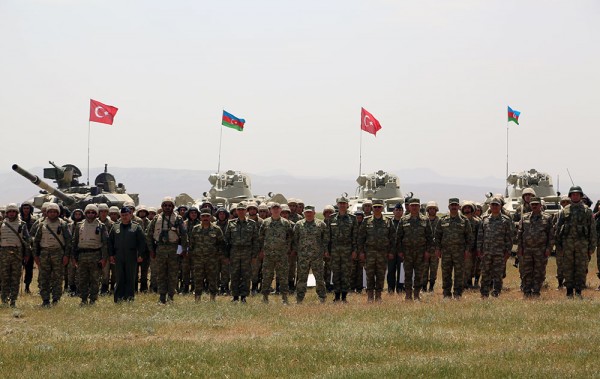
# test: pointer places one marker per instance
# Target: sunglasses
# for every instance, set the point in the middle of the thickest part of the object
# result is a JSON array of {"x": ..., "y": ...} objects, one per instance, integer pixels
[
  {"x": 90, "y": 213},
  {"x": 377, "y": 206}
]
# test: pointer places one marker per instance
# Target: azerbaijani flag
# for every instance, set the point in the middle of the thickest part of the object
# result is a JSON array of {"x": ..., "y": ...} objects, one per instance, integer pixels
[
  {"x": 513, "y": 115},
  {"x": 233, "y": 122}
]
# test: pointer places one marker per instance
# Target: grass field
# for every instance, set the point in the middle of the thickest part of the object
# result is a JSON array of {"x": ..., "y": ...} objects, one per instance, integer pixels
[{"x": 474, "y": 338}]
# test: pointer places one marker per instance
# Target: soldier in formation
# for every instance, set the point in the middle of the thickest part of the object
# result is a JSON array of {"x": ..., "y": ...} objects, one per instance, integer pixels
[
  {"x": 15, "y": 249},
  {"x": 432, "y": 262},
  {"x": 343, "y": 231}
]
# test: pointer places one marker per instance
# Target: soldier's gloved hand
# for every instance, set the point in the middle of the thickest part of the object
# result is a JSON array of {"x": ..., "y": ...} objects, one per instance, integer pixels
[
  {"x": 354, "y": 255},
  {"x": 113, "y": 260},
  {"x": 37, "y": 261},
  {"x": 65, "y": 260},
  {"x": 153, "y": 254},
  {"x": 140, "y": 259},
  {"x": 26, "y": 259},
  {"x": 438, "y": 253},
  {"x": 261, "y": 255},
  {"x": 102, "y": 263}
]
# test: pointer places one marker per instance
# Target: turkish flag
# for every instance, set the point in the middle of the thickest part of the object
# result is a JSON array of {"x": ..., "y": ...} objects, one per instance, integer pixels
[
  {"x": 101, "y": 112},
  {"x": 368, "y": 123}
]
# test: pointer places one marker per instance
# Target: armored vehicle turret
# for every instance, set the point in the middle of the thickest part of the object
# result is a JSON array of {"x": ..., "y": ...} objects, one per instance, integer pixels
[
  {"x": 377, "y": 185},
  {"x": 71, "y": 193}
]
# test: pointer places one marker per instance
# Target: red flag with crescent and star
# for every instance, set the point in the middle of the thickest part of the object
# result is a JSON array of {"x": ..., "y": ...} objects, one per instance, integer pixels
[
  {"x": 368, "y": 123},
  {"x": 101, "y": 112}
]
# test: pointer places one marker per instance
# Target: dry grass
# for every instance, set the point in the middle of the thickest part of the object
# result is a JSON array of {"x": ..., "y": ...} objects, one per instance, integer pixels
[{"x": 434, "y": 338}]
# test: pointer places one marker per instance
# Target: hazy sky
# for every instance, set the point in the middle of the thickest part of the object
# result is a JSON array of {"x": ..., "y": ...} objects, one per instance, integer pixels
[{"x": 437, "y": 74}]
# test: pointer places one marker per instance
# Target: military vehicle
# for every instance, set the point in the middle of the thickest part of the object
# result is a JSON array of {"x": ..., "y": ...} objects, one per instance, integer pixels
[
  {"x": 227, "y": 189},
  {"x": 72, "y": 194},
  {"x": 540, "y": 182},
  {"x": 377, "y": 185}
]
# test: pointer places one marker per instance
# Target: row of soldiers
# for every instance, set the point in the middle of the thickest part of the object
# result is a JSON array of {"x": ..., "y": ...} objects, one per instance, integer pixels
[{"x": 235, "y": 247}]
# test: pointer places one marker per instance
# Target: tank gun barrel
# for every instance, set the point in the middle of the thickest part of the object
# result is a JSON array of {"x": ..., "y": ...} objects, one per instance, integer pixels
[{"x": 43, "y": 185}]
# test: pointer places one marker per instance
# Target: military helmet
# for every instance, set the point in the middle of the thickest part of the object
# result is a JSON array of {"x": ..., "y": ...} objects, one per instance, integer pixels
[
  {"x": 102, "y": 207},
  {"x": 152, "y": 210},
  {"x": 45, "y": 205},
  {"x": 52, "y": 207},
  {"x": 431, "y": 204},
  {"x": 114, "y": 209},
  {"x": 468, "y": 204},
  {"x": 252, "y": 204},
  {"x": 565, "y": 198},
  {"x": 129, "y": 204},
  {"x": 292, "y": 201},
  {"x": 91, "y": 208},
  {"x": 528, "y": 191},
  {"x": 329, "y": 208},
  {"x": 263, "y": 207},
  {"x": 168, "y": 199},
  {"x": 12, "y": 207},
  {"x": 285, "y": 208},
  {"x": 575, "y": 189}
]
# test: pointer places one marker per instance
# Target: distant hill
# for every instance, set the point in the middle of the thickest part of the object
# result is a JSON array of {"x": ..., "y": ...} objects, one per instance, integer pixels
[{"x": 154, "y": 184}]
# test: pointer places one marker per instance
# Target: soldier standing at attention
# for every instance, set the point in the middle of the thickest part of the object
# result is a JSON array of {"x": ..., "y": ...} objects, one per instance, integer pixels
[
  {"x": 252, "y": 210},
  {"x": 165, "y": 233},
  {"x": 395, "y": 268},
  {"x": 206, "y": 249},
  {"x": 367, "y": 207},
  {"x": 535, "y": 237},
  {"x": 275, "y": 240},
  {"x": 311, "y": 243},
  {"x": 290, "y": 211},
  {"x": 151, "y": 213},
  {"x": 14, "y": 251},
  {"x": 90, "y": 253},
  {"x": 142, "y": 214},
  {"x": 494, "y": 243},
  {"x": 357, "y": 266},
  {"x": 564, "y": 201},
  {"x": 241, "y": 238},
  {"x": 187, "y": 264},
  {"x": 52, "y": 248},
  {"x": 576, "y": 236},
  {"x": 416, "y": 242},
  {"x": 343, "y": 230},
  {"x": 328, "y": 211},
  {"x": 431, "y": 264},
  {"x": 114, "y": 214},
  {"x": 108, "y": 271},
  {"x": 453, "y": 240},
  {"x": 468, "y": 210},
  {"x": 222, "y": 222},
  {"x": 144, "y": 265},
  {"x": 126, "y": 247},
  {"x": 27, "y": 216},
  {"x": 375, "y": 236}
]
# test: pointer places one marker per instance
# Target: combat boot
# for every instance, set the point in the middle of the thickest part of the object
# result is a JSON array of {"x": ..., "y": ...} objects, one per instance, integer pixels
[
  {"x": 46, "y": 304},
  {"x": 13, "y": 304},
  {"x": 72, "y": 290},
  {"x": 400, "y": 288},
  {"x": 369, "y": 296},
  {"x": 570, "y": 293},
  {"x": 300, "y": 299},
  {"x": 416, "y": 294},
  {"x": 578, "y": 293},
  {"x": 284, "y": 298},
  {"x": 476, "y": 284},
  {"x": 266, "y": 298},
  {"x": 198, "y": 297},
  {"x": 243, "y": 300},
  {"x": 337, "y": 297},
  {"x": 378, "y": 296},
  {"x": 344, "y": 294},
  {"x": 104, "y": 290},
  {"x": 424, "y": 287},
  {"x": 163, "y": 299},
  {"x": 409, "y": 295},
  {"x": 235, "y": 299},
  {"x": 431, "y": 285},
  {"x": 27, "y": 290},
  {"x": 322, "y": 299},
  {"x": 253, "y": 289},
  {"x": 213, "y": 297},
  {"x": 171, "y": 298}
]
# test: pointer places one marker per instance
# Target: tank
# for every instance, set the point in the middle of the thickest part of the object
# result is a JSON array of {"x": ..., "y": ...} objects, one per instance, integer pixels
[
  {"x": 540, "y": 182},
  {"x": 228, "y": 188},
  {"x": 71, "y": 193},
  {"x": 377, "y": 185}
]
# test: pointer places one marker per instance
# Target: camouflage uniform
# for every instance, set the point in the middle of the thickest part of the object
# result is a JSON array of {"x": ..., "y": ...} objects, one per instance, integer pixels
[
  {"x": 534, "y": 238},
  {"x": 224, "y": 273},
  {"x": 206, "y": 249},
  {"x": 187, "y": 261},
  {"x": 415, "y": 240},
  {"x": 52, "y": 253},
  {"x": 14, "y": 247},
  {"x": 29, "y": 221},
  {"x": 494, "y": 241},
  {"x": 375, "y": 237},
  {"x": 311, "y": 240},
  {"x": 241, "y": 238},
  {"x": 343, "y": 232},
  {"x": 357, "y": 267},
  {"x": 163, "y": 236},
  {"x": 108, "y": 271},
  {"x": 394, "y": 268},
  {"x": 258, "y": 263},
  {"x": 275, "y": 239},
  {"x": 471, "y": 258},
  {"x": 431, "y": 263},
  {"x": 453, "y": 237},
  {"x": 576, "y": 237},
  {"x": 89, "y": 249}
]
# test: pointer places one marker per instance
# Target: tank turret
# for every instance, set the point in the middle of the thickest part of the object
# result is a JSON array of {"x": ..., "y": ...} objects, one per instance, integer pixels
[
  {"x": 66, "y": 199},
  {"x": 377, "y": 185}
]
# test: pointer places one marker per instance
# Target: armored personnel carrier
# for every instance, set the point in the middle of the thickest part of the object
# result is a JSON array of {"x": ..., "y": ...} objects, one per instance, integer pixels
[
  {"x": 227, "y": 189},
  {"x": 540, "y": 182},
  {"x": 71, "y": 193},
  {"x": 377, "y": 185}
]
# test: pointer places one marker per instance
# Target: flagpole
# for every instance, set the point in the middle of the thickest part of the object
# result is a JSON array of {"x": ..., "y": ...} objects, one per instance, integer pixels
[
  {"x": 88, "y": 167},
  {"x": 360, "y": 154},
  {"x": 506, "y": 177},
  {"x": 220, "y": 140}
]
